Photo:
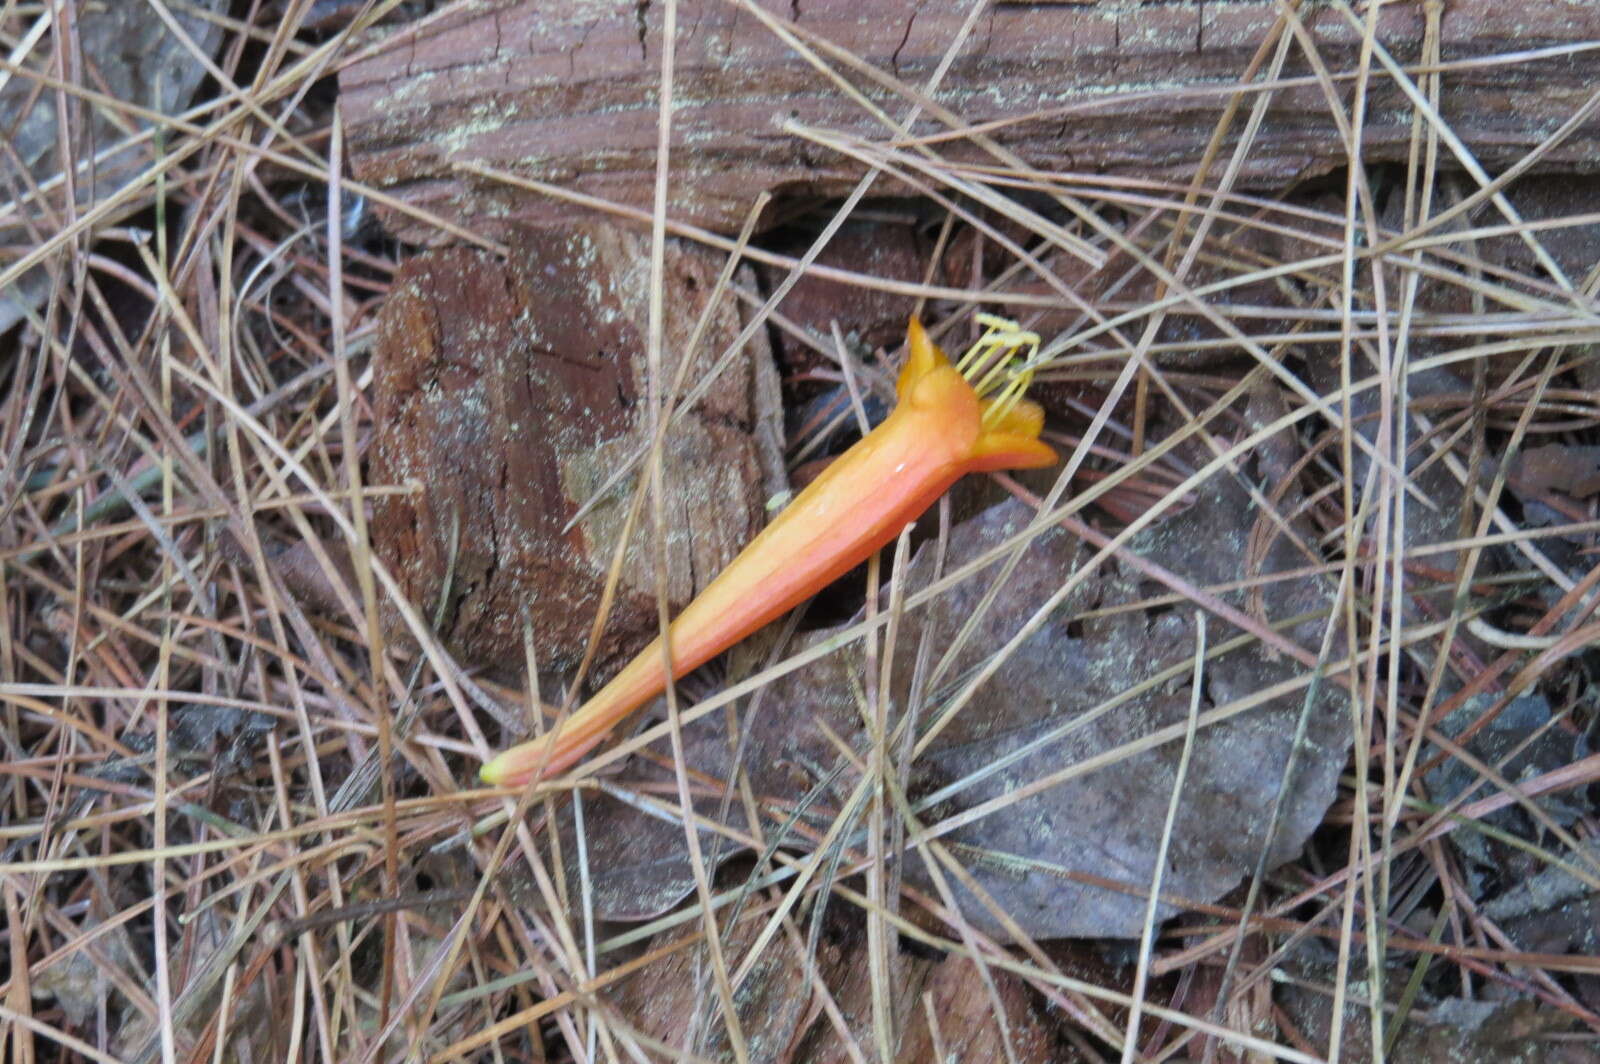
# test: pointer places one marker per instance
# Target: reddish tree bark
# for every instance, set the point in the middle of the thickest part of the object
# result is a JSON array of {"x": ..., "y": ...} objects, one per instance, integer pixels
[
  {"x": 508, "y": 392},
  {"x": 566, "y": 93}
]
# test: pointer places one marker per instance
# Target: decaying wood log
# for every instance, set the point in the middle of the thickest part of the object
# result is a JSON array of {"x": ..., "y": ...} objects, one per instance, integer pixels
[
  {"x": 510, "y": 391},
  {"x": 566, "y": 93}
]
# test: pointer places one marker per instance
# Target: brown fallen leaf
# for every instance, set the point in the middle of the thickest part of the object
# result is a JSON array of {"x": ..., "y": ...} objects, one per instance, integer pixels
[
  {"x": 782, "y": 1017},
  {"x": 1447, "y": 1031},
  {"x": 1567, "y": 468}
]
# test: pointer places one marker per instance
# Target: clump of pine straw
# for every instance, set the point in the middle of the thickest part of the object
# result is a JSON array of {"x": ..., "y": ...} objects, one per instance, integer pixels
[{"x": 216, "y": 803}]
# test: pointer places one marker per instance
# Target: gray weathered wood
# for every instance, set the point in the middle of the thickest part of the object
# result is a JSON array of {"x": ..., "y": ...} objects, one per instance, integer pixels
[{"x": 566, "y": 93}]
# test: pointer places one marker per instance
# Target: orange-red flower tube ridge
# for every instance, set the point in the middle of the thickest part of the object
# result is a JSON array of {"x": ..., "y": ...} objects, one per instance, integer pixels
[{"x": 942, "y": 427}]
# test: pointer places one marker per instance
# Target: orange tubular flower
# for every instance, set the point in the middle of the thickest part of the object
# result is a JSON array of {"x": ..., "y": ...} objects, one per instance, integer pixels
[{"x": 942, "y": 427}]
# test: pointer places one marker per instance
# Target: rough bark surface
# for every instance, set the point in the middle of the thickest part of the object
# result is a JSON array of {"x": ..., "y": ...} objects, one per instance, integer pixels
[
  {"x": 509, "y": 392},
  {"x": 567, "y": 93}
]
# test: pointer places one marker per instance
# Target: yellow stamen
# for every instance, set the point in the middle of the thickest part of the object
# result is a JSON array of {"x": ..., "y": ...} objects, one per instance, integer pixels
[{"x": 991, "y": 363}]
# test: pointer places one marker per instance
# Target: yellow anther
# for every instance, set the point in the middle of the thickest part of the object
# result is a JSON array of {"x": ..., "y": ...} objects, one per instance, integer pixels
[{"x": 993, "y": 363}]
